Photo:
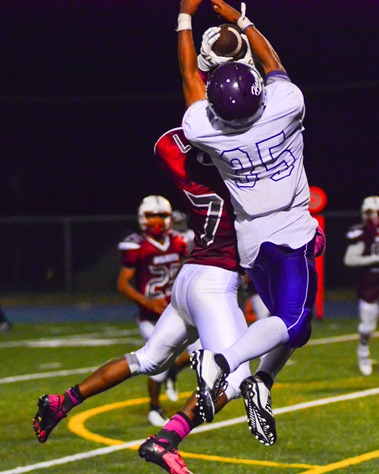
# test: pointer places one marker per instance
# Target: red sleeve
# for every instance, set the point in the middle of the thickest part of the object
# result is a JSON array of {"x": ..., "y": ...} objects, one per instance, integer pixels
[{"x": 129, "y": 258}]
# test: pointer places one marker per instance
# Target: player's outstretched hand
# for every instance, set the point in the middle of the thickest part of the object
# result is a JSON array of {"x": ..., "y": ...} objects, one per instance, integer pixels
[
  {"x": 229, "y": 13},
  {"x": 189, "y": 6},
  {"x": 207, "y": 58}
]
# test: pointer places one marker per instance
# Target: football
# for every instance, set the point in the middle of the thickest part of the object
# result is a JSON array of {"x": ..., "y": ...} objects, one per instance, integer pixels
[{"x": 230, "y": 44}]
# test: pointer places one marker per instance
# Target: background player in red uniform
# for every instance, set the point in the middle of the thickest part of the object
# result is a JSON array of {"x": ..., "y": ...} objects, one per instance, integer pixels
[
  {"x": 151, "y": 260},
  {"x": 363, "y": 252}
]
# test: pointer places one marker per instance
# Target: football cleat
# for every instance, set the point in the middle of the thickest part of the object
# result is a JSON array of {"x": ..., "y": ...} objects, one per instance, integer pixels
[
  {"x": 365, "y": 366},
  {"x": 210, "y": 378},
  {"x": 171, "y": 389},
  {"x": 50, "y": 413},
  {"x": 260, "y": 418},
  {"x": 364, "y": 361},
  {"x": 164, "y": 454},
  {"x": 157, "y": 417}
]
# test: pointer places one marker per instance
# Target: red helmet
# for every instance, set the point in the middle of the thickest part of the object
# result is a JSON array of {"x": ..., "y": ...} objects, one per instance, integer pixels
[{"x": 155, "y": 216}]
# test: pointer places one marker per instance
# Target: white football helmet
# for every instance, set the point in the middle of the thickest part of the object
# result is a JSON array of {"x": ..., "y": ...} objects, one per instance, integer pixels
[
  {"x": 370, "y": 209},
  {"x": 155, "y": 215},
  {"x": 179, "y": 221}
]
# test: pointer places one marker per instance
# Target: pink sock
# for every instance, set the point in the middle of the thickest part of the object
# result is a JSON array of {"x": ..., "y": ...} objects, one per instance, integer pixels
[
  {"x": 74, "y": 396},
  {"x": 179, "y": 425}
]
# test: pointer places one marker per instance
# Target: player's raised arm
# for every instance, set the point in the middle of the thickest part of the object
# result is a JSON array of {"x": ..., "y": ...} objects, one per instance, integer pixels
[
  {"x": 193, "y": 86},
  {"x": 261, "y": 47}
]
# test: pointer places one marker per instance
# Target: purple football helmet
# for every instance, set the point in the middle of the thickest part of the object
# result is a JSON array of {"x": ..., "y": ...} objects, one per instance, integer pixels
[{"x": 236, "y": 94}]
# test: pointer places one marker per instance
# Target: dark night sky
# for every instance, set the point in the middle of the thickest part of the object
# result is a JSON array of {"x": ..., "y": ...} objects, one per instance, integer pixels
[{"x": 86, "y": 88}]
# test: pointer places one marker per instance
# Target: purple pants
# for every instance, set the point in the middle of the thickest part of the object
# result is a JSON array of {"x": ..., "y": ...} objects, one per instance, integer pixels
[{"x": 286, "y": 280}]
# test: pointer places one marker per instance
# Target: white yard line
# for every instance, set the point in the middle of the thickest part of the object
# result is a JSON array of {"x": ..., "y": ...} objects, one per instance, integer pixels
[
  {"x": 207, "y": 427},
  {"x": 204, "y": 428},
  {"x": 87, "y": 341}
]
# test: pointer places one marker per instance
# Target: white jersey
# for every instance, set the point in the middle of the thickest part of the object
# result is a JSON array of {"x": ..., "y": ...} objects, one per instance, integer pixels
[{"x": 262, "y": 167}]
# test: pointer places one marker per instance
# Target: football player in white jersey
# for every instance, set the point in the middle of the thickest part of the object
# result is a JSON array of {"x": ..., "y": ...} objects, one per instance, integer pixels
[
  {"x": 362, "y": 253},
  {"x": 252, "y": 129}
]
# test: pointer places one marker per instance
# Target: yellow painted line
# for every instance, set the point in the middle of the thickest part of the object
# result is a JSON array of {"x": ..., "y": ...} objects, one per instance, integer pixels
[
  {"x": 251, "y": 462},
  {"x": 76, "y": 425},
  {"x": 76, "y": 422},
  {"x": 345, "y": 463}
]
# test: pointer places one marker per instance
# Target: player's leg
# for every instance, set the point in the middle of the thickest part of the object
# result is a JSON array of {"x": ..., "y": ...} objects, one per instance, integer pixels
[
  {"x": 368, "y": 319},
  {"x": 287, "y": 281},
  {"x": 161, "y": 351},
  {"x": 289, "y": 285},
  {"x": 257, "y": 394},
  {"x": 162, "y": 448},
  {"x": 181, "y": 362},
  {"x": 52, "y": 408},
  {"x": 207, "y": 296},
  {"x": 156, "y": 415}
]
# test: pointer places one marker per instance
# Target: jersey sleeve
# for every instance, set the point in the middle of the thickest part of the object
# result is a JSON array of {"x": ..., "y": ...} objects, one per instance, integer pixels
[
  {"x": 275, "y": 76},
  {"x": 359, "y": 252},
  {"x": 130, "y": 249}
]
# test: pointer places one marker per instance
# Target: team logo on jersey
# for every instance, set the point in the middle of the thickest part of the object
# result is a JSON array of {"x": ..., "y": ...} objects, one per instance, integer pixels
[{"x": 161, "y": 259}]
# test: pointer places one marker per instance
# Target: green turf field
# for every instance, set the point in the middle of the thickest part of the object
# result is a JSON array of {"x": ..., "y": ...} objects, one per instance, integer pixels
[{"x": 320, "y": 428}]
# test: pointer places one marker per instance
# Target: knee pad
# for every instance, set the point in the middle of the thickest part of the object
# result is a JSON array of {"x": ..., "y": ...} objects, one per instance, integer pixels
[
  {"x": 368, "y": 315},
  {"x": 133, "y": 363},
  {"x": 153, "y": 366}
]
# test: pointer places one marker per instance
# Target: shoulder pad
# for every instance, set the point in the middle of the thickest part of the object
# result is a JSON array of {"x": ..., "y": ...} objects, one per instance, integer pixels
[
  {"x": 355, "y": 232},
  {"x": 132, "y": 242}
]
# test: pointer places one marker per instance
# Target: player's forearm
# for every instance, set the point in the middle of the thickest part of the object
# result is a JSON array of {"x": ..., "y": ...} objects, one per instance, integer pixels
[
  {"x": 193, "y": 86},
  {"x": 361, "y": 260},
  {"x": 263, "y": 50},
  {"x": 261, "y": 47},
  {"x": 130, "y": 292},
  {"x": 354, "y": 256},
  {"x": 187, "y": 55}
]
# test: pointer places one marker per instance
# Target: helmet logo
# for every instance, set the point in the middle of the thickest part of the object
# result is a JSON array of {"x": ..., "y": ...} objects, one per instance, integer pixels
[{"x": 256, "y": 88}]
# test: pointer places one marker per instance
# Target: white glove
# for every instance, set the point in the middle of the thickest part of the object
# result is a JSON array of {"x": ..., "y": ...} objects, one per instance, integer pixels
[
  {"x": 248, "y": 58},
  {"x": 208, "y": 59}
]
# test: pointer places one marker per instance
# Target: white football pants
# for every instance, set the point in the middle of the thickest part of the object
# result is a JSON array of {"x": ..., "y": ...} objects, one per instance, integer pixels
[{"x": 203, "y": 304}]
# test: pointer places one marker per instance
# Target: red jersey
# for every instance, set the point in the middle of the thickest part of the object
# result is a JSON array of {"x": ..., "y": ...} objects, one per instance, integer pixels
[
  {"x": 156, "y": 265},
  {"x": 206, "y": 198},
  {"x": 368, "y": 287}
]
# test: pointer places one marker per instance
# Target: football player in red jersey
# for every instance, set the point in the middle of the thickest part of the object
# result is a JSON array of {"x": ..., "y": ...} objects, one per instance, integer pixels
[
  {"x": 363, "y": 252},
  {"x": 205, "y": 305},
  {"x": 151, "y": 260}
]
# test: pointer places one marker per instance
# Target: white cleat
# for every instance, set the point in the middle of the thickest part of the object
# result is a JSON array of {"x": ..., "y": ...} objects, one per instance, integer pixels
[
  {"x": 210, "y": 378},
  {"x": 364, "y": 361},
  {"x": 171, "y": 390},
  {"x": 157, "y": 417},
  {"x": 365, "y": 365}
]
